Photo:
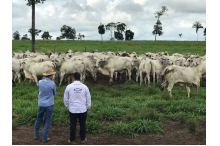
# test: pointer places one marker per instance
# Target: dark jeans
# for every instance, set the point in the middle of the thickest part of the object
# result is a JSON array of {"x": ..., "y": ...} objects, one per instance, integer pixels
[
  {"x": 82, "y": 122},
  {"x": 40, "y": 114}
]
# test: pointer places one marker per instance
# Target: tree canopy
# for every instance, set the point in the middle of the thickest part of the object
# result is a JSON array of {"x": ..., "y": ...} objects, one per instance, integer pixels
[
  {"x": 162, "y": 12},
  {"x": 118, "y": 35},
  {"x": 16, "y": 35},
  {"x": 129, "y": 35},
  {"x": 29, "y": 2},
  {"x": 158, "y": 26},
  {"x": 157, "y": 29},
  {"x": 35, "y": 33},
  {"x": 46, "y": 35},
  {"x": 111, "y": 27},
  {"x": 197, "y": 25},
  {"x": 101, "y": 30},
  {"x": 68, "y": 32}
]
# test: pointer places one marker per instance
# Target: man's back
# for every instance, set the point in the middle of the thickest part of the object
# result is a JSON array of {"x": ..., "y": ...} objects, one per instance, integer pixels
[
  {"x": 77, "y": 97},
  {"x": 47, "y": 90}
]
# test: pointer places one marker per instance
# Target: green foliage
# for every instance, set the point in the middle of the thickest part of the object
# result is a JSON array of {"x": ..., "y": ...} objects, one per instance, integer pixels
[
  {"x": 101, "y": 29},
  {"x": 197, "y": 25},
  {"x": 68, "y": 32},
  {"x": 118, "y": 35},
  {"x": 192, "y": 126},
  {"x": 158, "y": 28},
  {"x": 35, "y": 32},
  {"x": 129, "y": 35},
  {"x": 35, "y": 2},
  {"x": 136, "y": 126},
  {"x": 111, "y": 27},
  {"x": 162, "y": 12},
  {"x": 14, "y": 124},
  {"x": 94, "y": 127},
  {"x": 46, "y": 35},
  {"x": 146, "y": 126},
  {"x": 16, "y": 35}
]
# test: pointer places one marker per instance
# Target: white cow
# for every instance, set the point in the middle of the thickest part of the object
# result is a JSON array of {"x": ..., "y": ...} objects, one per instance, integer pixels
[
  {"x": 16, "y": 70},
  {"x": 180, "y": 61},
  {"x": 173, "y": 74},
  {"x": 111, "y": 65},
  {"x": 70, "y": 67},
  {"x": 159, "y": 65},
  {"x": 34, "y": 69},
  {"x": 145, "y": 67}
]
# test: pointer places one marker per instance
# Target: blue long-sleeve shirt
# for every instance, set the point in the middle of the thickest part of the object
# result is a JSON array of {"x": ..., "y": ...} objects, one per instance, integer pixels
[{"x": 47, "y": 90}]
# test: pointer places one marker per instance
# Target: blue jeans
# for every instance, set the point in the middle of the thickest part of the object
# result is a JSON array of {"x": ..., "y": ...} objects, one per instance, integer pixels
[{"x": 49, "y": 113}]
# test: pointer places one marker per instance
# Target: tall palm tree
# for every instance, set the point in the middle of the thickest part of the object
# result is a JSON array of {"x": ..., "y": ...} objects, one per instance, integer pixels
[
  {"x": 32, "y": 3},
  {"x": 197, "y": 25}
]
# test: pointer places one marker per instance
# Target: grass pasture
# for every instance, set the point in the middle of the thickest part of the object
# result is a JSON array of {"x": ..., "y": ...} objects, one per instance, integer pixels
[{"x": 124, "y": 108}]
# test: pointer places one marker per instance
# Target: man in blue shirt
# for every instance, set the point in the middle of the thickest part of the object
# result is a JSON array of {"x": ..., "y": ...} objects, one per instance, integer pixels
[{"x": 47, "y": 90}]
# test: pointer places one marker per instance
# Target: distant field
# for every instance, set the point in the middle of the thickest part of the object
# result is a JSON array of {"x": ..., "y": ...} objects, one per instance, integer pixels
[{"x": 139, "y": 47}]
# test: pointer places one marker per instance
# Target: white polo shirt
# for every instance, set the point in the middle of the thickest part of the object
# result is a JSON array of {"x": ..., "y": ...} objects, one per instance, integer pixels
[{"x": 77, "y": 97}]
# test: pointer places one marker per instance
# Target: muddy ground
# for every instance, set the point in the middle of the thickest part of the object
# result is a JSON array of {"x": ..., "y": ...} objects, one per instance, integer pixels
[{"x": 175, "y": 134}]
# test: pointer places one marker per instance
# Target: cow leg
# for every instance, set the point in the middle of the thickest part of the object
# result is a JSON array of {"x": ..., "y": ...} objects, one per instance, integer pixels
[
  {"x": 35, "y": 79},
  {"x": 148, "y": 77},
  {"x": 18, "y": 76},
  {"x": 141, "y": 77},
  {"x": 61, "y": 77},
  {"x": 129, "y": 74},
  {"x": 111, "y": 76},
  {"x": 145, "y": 79},
  {"x": 188, "y": 90},
  {"x": 137, "y": 75},
  {"x": 169, "y": 89},
  {"x": 116, "y": 75}
]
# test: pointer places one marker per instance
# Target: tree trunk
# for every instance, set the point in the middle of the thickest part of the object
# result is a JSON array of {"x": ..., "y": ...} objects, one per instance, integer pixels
[
  {"x": 101, "y": 37},
  {"x": 155, "y": 37},
  {"x": 33, "y": 26},
  {"x": 197, "y": 36}
]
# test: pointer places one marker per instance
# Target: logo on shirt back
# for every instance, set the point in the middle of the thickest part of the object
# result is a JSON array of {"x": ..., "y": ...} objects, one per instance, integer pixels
[{"x": 77, "y": 89}]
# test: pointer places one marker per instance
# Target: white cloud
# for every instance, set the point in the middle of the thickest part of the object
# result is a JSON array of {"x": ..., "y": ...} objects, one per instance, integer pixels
[{"x": 86, "y": 15}]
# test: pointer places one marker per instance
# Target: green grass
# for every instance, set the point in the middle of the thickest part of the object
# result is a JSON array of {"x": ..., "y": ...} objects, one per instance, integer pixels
[
  {"x": 129, "y": 107},
  {"x": 139, "y": 47}
]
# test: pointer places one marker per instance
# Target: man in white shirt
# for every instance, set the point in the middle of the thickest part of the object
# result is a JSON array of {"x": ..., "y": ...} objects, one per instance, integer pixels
[{"x": 77, "y": 100}]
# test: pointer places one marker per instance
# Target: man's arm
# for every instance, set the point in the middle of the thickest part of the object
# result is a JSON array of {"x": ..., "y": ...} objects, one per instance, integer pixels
[
  {"x": 88, "y": 99},
  {"x": 66, "y": 98},
  {"x": 54, "y": 89}
]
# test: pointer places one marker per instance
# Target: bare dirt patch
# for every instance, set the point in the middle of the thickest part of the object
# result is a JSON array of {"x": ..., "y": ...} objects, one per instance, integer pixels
[{"x": 175, "y": 134}]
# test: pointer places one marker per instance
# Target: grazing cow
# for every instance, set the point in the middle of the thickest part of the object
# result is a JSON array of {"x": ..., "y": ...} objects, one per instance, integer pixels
[
  {"x": 145, "y": 67},
  {"x": 34, "y": 69},
  {"x": 197, "y": 63},
  {"x": 159, "y": 65},
  {"x": 173, "y": 74},
  {"x": 16, "y": 70},
  {"x": 180, "y": 61},
  {"x": 19, "y": 55},
  {"x": 111, "y": 65},
  {"x": 70, "y": 67}
]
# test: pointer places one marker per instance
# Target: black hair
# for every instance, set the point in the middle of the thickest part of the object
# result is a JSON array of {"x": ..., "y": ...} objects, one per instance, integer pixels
[{"x": 76, "y": 75}]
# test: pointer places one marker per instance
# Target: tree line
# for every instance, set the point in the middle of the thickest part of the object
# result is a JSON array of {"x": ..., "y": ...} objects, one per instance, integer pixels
[{"x": 119, "y": 29}]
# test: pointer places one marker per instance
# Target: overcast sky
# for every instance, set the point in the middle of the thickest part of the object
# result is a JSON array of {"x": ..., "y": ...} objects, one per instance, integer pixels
[{"x": 86, "y": 15}]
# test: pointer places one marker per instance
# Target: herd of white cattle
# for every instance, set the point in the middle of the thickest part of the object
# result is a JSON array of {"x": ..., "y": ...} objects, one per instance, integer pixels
[{"x": 185, "y": 69}]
